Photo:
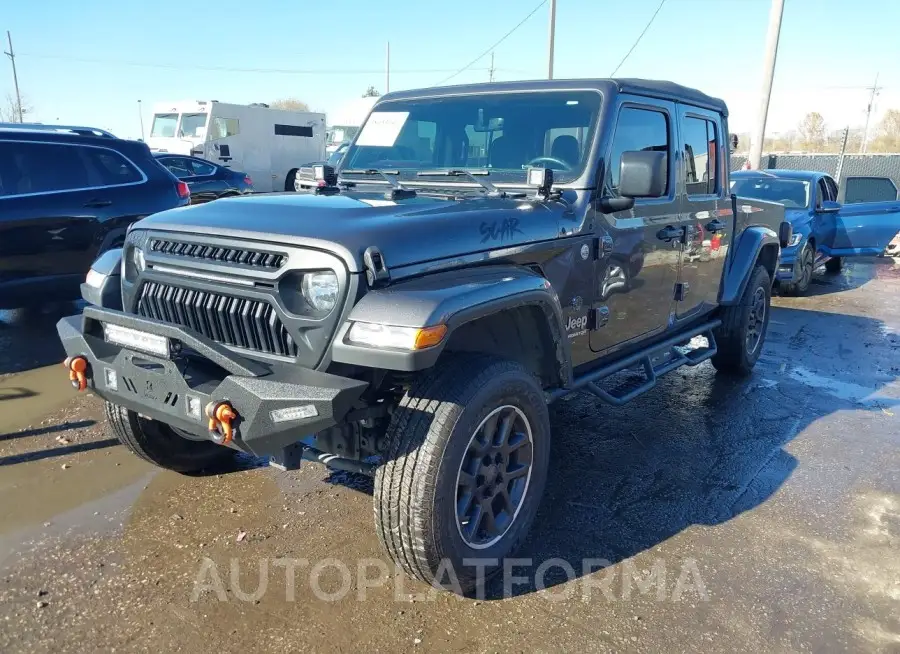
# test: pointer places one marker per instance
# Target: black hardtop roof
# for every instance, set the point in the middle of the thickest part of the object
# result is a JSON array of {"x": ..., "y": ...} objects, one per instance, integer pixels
[{"x": 652, "y": 88}]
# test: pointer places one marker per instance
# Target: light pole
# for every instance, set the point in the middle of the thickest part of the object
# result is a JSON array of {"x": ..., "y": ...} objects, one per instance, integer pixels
[
  {"x": 141, "y": 117},
  {"x": 756, "y": 144},
  {"x": 551, "y": 39}
]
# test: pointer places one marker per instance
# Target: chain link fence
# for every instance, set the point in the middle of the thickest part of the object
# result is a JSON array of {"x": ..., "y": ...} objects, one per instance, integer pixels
[{"x": 855, "y": 165}]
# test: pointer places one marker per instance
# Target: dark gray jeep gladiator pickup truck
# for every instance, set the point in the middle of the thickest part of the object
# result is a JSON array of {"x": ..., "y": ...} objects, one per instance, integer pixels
[{"x": 483, "y": 251}]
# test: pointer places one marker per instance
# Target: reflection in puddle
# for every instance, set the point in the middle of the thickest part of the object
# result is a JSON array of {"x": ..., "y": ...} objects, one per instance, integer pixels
[{"x": 837, "y": 388}]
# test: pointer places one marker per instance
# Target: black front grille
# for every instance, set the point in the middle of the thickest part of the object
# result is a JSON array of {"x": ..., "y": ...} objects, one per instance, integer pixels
[
  {"x": 241, "y": 256},
  {"x": 249, "y": 324}
]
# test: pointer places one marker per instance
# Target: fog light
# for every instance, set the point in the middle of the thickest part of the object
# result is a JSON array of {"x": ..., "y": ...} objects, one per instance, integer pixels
[
  {"x": 111, "y": 379},
  {"x": 193, "y": 407},
  {"x": 290, "y": 413}
]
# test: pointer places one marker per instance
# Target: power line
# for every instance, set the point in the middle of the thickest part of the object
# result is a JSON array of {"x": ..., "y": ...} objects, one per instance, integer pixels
[
  {"x": 490, "y": 49},
  {"x": 230, "y": 69},
  {"x": 647, "y": 27}
]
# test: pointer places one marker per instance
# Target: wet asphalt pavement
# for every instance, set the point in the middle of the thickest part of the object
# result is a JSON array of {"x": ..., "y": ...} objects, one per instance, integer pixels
[{"x": 714, "y": 515}]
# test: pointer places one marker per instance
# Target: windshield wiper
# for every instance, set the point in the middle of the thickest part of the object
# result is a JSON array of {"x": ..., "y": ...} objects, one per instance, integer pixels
[
  {"x": 397, "y": 192},
  {"x": 473, "y": 175}
]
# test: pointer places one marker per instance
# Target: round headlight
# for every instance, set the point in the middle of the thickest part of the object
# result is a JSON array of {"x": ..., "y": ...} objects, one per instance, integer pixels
[
  {"x": 320, "y": 289},
  {"x": 137, "y": 257}
]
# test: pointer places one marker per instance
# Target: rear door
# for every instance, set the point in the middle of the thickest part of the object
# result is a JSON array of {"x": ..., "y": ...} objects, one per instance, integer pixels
[
  {"x": 49, "y": 215},
  {"x": 706, "y": 213},
  {"x": 205, "y": 183}
]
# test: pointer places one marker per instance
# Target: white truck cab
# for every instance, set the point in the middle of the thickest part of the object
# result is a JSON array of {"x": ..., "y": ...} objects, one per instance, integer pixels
[{"x": 267, "y": 144}]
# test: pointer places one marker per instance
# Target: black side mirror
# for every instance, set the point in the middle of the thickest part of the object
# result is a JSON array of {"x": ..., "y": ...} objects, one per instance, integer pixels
[
  {"x": 830, "y": 206},
  {"x": 643, "y": 174},
  {"x": 785, "y": 233}
]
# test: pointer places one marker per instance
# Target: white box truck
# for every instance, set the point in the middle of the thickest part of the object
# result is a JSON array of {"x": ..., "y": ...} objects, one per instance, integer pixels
[{"x": 267, "y": 144}]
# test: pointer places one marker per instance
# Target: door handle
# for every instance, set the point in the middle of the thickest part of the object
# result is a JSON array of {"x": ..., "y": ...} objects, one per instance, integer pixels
[
  {"x": 96, "y": 204},
  {"x": 670, "y": 233},
  {"x": 716, "y": 226}
]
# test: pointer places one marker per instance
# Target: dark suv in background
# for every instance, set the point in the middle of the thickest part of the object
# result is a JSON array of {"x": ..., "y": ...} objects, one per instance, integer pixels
[{"x": 68, "y": 194}]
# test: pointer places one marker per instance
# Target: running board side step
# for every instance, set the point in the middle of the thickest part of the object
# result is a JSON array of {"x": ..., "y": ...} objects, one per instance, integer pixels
[{"x": 654, "y": 361}]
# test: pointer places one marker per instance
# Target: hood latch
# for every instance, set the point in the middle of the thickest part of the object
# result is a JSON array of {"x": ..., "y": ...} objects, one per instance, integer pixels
[{"x": 377, "y": 273}]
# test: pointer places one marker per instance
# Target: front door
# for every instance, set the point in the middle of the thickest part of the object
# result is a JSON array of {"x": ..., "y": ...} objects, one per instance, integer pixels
[
  {"x": 706, "y": 212},
  {"x": 639, "y": 248},
  {"x": 864, "y": 229}
]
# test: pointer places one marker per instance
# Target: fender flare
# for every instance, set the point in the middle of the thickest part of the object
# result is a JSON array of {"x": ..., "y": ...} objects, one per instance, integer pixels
[
  {"x": 745, "y": 254},
  {"x": 453, "y": 298}
]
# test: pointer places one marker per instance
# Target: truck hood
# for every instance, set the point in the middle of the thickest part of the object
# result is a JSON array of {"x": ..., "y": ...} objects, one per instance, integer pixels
[{"x": 409, "y": 231}]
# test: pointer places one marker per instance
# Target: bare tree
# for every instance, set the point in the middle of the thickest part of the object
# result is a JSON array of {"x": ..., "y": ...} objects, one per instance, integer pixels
[
  {"x": 290, "y": 104},
  {"x": 9, "y": 110},
  {"x": 812, "y": 132},
  {"x": 371, "y": 92},
  {"x": 888, "y": 134}
]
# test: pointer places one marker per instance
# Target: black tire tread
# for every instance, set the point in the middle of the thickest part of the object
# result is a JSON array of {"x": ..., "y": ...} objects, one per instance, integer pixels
[
  {"x": 156, "y": 443},
  {"x": 834, "y": 265},
  {"x": 412, "y": 459},
  {"x": 729, "y": 339}
]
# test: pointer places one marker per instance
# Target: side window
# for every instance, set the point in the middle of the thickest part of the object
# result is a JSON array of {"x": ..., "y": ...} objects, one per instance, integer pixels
[
  {"x": 27, "y": 167},
  {"x": 201, "y": 167},
  {"x": 220, "y": 127},
  {"x": 869, "y": 189},
  {"x": 109, "y": 168},
  {"x": 821, "y": 193},
  {"x": 700, "y": 156},
  {"x": 832, "y": 189},
  {"x": 637, "y": 129},
  {"x": 177, "y": 166}
]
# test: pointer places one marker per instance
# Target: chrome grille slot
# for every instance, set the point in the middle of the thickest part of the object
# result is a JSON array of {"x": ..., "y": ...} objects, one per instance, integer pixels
[
  {"x": 234, "y": 255},
  {"x": 245, "y": 323}
]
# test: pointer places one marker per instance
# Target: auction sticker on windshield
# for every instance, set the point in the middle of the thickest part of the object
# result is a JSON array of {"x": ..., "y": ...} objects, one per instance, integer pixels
[{"x": 382, "y": 128}]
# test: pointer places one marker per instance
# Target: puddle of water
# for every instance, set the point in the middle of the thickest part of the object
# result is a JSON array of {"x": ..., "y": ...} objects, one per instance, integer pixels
[
  {"x": 840, "y": 389},
  {"x": 27, "y": 397}
]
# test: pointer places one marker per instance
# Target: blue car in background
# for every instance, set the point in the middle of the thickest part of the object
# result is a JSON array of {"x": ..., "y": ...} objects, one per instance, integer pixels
[{"x": 825, "y": 231}]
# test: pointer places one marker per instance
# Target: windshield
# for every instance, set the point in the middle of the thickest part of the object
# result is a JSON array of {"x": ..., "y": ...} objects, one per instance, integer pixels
[
  {"x": 164, "y": 125},
  {"x": 502, "y": 132},
  {"x": 340, "y": 134},
  {"x": 193, "y": 126},
  {"x": 792, "y": 193}
]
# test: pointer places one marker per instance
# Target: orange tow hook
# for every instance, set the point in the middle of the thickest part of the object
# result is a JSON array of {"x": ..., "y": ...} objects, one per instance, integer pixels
[
  {"x": 221, "y": 417},
  {"x": 77, "y": 367}
]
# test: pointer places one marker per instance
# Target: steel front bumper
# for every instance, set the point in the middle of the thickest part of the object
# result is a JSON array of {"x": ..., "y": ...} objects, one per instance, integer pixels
[{"x": 207, "y": 373}]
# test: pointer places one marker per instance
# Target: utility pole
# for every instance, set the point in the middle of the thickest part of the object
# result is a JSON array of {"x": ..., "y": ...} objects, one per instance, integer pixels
[
  {"x": 141, "y": 116},
  {"x": 756, "y": 145},
  {"x": 12, "y": 58},
  {"x": 552, "y": 37},
  {"x": 387, "y": 69},
  {"x": 840, "y": 167},
  {"x": 491, "y": 69},
  {"x": 874, "y": 89}
]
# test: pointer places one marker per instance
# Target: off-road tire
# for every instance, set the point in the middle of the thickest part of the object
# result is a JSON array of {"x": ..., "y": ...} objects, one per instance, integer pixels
[
  {"x": 429, "y": 434},
  {"x": 807, "y": 261},
  {"x": 290, "y": 182},
  {"x": 159, "y": 444},
  {"x": 734, "y": 355},
  {"x": 834, "y": 265}
]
